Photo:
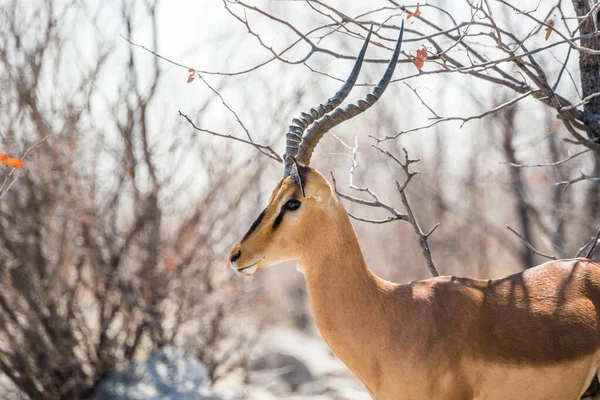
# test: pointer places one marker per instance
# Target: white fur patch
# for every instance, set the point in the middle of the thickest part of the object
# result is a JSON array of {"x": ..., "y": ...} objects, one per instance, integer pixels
[
  {"x": 300, "y": 267},
  {"x": 249, "y": 270}
]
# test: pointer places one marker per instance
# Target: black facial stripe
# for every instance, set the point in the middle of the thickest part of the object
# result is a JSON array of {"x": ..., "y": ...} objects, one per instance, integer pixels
[
  {"x": 254, "y": 225},
  {"x": 278, "y": 219}
]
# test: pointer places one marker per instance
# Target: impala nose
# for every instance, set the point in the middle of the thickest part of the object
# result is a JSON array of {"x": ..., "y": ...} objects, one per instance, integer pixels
[{"x": 235, "y": 256}]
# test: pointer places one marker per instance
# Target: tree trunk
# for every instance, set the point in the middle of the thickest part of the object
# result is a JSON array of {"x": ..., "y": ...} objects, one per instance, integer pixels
[
  {"x": 518, "y": 186},
  {"x": 589, "y": 66}
]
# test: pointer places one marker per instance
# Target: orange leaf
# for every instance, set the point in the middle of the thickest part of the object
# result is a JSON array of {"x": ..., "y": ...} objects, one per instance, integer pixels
[
  {"x": 12, "y": 162},
  {"x": 421, "y": 57},
  {"x": 416, "y": 13},
  {"x": 130, "y": 171},
  {"x": 556, "y": 125},
  {"x": 171, "y": 263},
  {"x": 549, "y": 28},
  {"x": 192, "y": 76}
]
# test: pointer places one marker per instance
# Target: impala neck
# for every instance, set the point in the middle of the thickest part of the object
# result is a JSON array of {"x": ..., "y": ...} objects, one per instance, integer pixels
[{"x": 348, "y": 300}]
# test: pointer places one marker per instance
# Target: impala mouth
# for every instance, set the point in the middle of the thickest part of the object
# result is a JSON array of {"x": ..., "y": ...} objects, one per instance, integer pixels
[{"x": 249, "y": 270}]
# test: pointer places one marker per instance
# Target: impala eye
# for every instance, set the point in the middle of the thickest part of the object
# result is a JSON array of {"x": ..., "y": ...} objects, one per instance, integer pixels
[{"x": 291, "y": 205}]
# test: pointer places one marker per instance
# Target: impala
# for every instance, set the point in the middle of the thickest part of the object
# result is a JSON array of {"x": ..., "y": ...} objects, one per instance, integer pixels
[{"x": 531, "y": 335}]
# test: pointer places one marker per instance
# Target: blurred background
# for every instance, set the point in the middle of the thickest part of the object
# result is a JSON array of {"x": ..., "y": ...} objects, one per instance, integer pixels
[{"x": 115, "y": 234}]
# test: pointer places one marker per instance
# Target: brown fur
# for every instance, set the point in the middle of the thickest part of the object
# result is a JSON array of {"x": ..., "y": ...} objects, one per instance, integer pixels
[{"x": 531, "y": 335}]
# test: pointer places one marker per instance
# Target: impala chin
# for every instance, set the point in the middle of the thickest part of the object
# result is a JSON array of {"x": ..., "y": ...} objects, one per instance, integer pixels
[{"x": 249, "y": 270}]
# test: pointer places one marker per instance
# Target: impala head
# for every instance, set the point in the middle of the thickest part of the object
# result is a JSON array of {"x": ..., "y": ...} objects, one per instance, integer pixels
[
  {"x": 303, "y": 200},
  {"x": 283, "y": 230}
]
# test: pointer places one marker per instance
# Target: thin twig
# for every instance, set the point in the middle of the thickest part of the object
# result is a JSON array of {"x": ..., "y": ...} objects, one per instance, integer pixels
[
  {"x": 529, "y": 245},
  {"x": 582, "y": 102},
  {"x": 463, "y": 119},
  {"x": 582, "y": 177},
  {"x": 590, "y": 252},
  {"x": 374, "y": 221},
  {"x": 375, "y": 203},
  {"x": 552, "y": 164},
  {"x": 592, "y": 242},
  {"x": 264, "y": 149},
  {"x": 204, "y": 72},
  {"x": 226, "y": 106},
  {"x": 436, "y": 116}
]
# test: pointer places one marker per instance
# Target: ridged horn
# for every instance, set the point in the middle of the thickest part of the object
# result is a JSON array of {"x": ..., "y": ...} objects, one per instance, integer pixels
[
  {"x": 339, "y": 115},
  {"x": 296, "y": 129}
]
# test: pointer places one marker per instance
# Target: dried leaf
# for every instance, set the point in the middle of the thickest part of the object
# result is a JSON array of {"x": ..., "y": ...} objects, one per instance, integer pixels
[
  {"x": 549, "y": 28},
  {"x": 171, "y": 263},
  {"x": 416, "y": 13},
  {"x": 192, "y": 76},
  {"x": 556, "y": 126},
  {"x": 421, "y": 57},
  {"x": 145, "y": 289},
  {"x": 10, "y": 162}
]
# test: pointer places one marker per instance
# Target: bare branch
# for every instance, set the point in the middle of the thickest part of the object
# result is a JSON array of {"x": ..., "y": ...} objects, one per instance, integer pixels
[
  {"x": 422, "y": 237},
  {"x": 376, "y": 202},
  {"x": 583, "y": 177},
  {"x": 374, "y": 221},
  {"x": 227, "y": 106},
  {"x": 529, "y": 245},
  {"x": 463, "y": 119},
  {"x": 581, "y": 49},
  {"x": 422, "y": 101},
  {"x": 264, "y": 149},
  {"x": 552, "y": 164},
  {"x": 581, "y": 103},
  {"x": 201, "y": 71},
  {"x": 396, "y": 215},
  {"x": 592, "y": 249},
  {"x": 593, "y": 241}
]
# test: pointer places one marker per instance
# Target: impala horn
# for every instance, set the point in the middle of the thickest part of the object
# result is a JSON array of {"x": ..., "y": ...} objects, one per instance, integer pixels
[{"x": 301, "y": 147}]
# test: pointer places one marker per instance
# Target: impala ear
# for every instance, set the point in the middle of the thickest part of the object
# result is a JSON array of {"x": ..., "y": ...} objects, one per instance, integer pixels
[{"x": 296, "y": 176}]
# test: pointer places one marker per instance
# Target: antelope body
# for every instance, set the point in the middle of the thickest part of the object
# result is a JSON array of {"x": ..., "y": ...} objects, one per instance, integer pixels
[{"x": 531, "y": 335}]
